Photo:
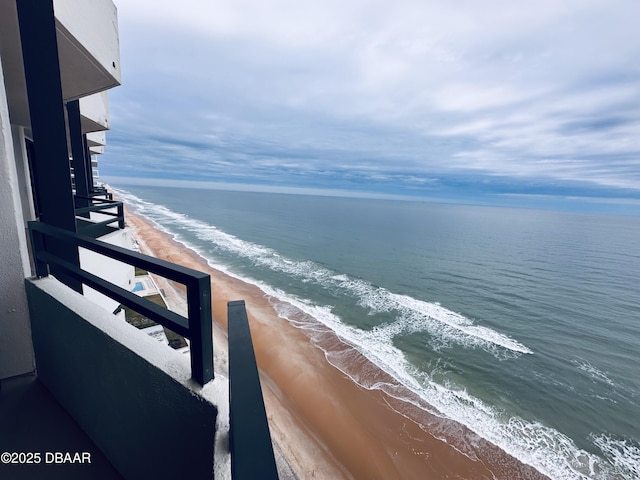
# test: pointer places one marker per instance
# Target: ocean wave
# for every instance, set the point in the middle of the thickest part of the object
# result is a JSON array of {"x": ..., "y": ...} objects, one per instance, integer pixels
[
  {"x": 544, "y": 448},
  {"x": 413, "y": 315},
  {"x": 595, "y": 374},
  {"x": 624, "y": 454}
]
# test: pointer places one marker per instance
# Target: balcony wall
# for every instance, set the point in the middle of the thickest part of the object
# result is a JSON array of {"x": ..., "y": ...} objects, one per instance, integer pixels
[
  {"x": 116, "y": 272},
  {"x": 16, "y": 355},
  {"x": 132, "y": 395},
  {"x": 94, "y": 115},
  {"x": 95, "y": 139}
]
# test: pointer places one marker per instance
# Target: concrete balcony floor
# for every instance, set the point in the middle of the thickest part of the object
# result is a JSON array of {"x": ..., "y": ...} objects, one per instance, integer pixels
[{"x": 31, "y": 420}]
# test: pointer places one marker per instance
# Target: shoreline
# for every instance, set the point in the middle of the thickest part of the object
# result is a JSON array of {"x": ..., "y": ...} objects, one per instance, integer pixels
[
  {"x": 326, "y": 425},
  {"x": 300, "y": 450}
]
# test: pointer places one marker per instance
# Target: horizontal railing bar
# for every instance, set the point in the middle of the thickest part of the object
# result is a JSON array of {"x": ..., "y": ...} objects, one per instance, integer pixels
[
  {"x": 99, "y": 200},
  {"x": 105, "y": 193},
  {"x": 110, "y": 214},
  {"x": 184, "y": 275},
  {"x": 93, "y": 229},
  {"x": 99, "y": 208},
  {"x": 96, "y": 208},
  {"x": 154, "y": 312},
  {"x": 116, "y": 218}
]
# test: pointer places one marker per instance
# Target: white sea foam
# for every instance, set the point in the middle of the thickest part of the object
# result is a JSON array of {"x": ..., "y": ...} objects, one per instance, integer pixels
[
  {"x": 624, "y": 454},
  {"x": 413, "y": 315},
  {"x": 546, "y": 449},
  {"x": 593, "y": 372}
]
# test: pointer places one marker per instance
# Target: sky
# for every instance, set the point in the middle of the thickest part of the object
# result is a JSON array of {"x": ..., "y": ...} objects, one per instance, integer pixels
[{"x": 528, "y": 103}]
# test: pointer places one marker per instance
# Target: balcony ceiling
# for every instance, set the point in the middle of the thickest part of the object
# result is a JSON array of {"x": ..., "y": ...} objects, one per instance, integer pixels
[{"x": 82, "y": 73}]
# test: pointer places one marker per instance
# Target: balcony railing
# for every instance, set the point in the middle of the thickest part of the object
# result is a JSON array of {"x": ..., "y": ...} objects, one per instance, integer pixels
[
  {"x": 99, "y": 190},
  {"x": 196, "y": 327},
  {"x": 103, "y": 206},
  {"x": 249, "y": 439}
]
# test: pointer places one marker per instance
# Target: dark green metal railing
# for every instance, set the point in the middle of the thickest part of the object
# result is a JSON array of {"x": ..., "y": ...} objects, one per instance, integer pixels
[
  {"x": 250, "y": 442},
  {"x": 102, "y": 206},
  {"x": 196, "y": 327}
]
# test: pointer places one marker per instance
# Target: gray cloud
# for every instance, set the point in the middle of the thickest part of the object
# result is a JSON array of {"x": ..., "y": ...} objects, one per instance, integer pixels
[{"x": 401, "y": 94}]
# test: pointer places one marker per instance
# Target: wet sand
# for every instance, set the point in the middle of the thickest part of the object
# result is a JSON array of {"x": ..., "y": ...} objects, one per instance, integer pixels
[{"x": 325, "y": 424}]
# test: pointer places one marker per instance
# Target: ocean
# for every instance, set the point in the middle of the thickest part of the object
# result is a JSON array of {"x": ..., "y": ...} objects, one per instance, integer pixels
[{"x": 522, "y": 325}]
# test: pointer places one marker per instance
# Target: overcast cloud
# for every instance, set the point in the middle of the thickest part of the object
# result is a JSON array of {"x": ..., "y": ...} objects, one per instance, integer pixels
[{"x": 465, "y": 100}]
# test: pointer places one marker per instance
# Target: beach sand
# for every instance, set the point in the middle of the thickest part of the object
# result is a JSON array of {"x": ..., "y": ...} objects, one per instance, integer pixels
[{"x": 323, "y": 423}]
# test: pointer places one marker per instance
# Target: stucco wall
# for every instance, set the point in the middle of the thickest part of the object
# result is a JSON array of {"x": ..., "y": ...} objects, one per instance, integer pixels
[{"x": 16, "y": 352}]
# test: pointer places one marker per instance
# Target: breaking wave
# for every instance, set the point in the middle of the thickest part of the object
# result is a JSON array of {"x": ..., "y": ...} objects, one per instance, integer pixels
[{"x": 412, "y": 315}]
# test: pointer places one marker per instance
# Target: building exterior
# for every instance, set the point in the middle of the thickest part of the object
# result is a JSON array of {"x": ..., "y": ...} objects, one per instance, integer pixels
[{"x": 64, "y": 272}]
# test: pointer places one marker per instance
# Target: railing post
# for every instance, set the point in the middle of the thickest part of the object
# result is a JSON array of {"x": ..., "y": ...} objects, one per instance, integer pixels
[
  {"x": 38, "y": 245},
  {"x": 87, "y": 150},
  {"x": 78, "y": 161},
  {"x": 52, "y": 179},
  {"x": 249, "y": 438},
  {"x": 121, "y": 216},
  {"x": 200, "y": 328}
]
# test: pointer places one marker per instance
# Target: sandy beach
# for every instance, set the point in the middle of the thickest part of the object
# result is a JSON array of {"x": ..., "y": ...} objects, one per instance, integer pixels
[{"x": 325, "y": 424}]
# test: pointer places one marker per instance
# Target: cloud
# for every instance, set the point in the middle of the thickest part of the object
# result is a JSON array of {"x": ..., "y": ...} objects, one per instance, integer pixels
[{"x": 397, "y": 94}]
